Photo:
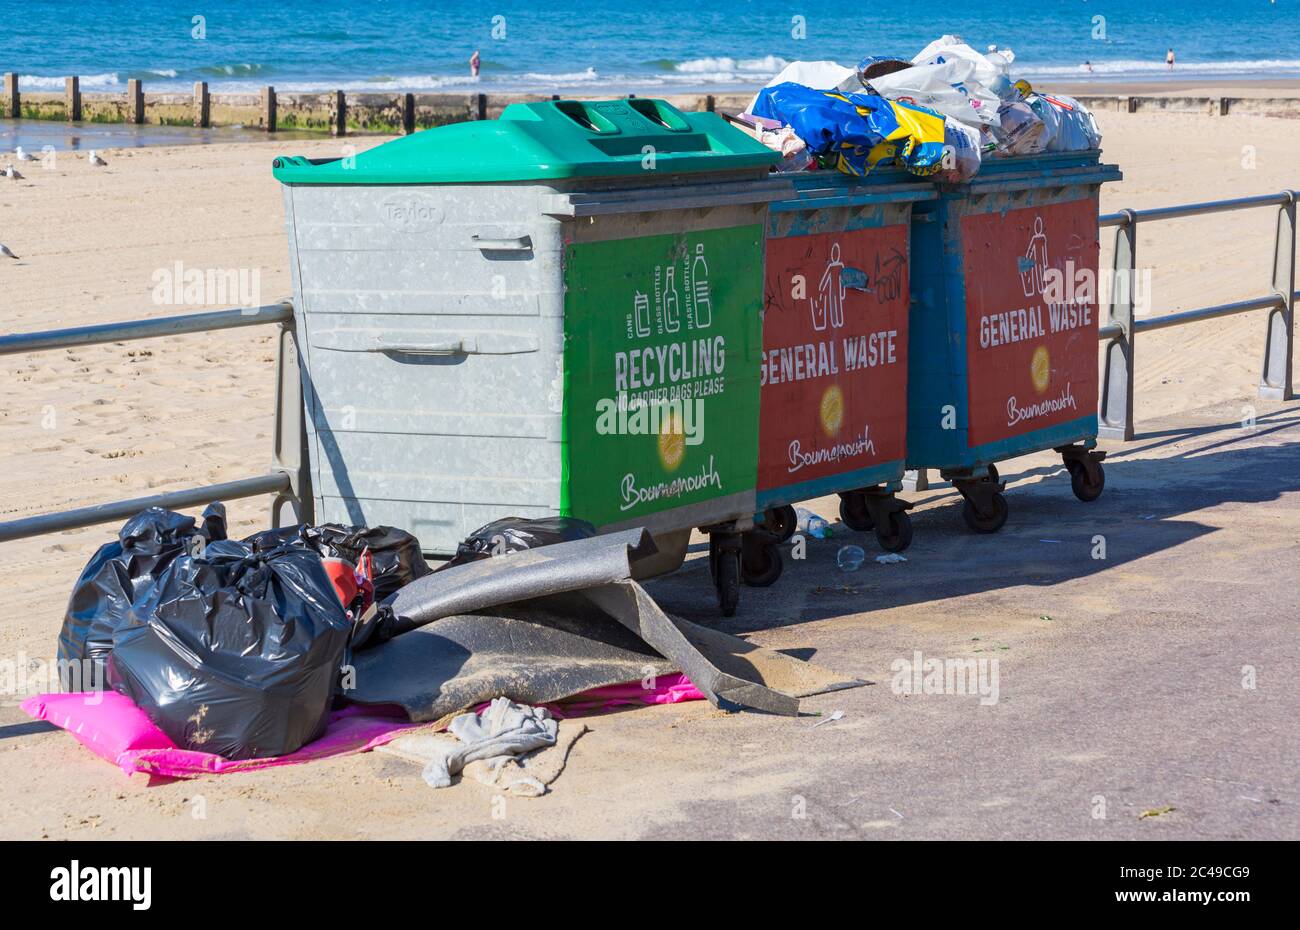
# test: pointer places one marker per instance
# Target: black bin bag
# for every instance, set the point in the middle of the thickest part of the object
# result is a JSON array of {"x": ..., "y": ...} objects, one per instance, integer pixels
[
  {"x": 395, "y": 554},
  {"x": 235, "y": 652},
  {"x": 514, "y": 534},
  {"x": 115, "y": 576},
  {"x": 509, "y": 534}
]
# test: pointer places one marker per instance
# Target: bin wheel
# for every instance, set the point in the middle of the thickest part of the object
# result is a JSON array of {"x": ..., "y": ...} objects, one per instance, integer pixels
[
  {"x": 724, "y": 566},
  {"x": 899, "y": 535},
  {"x": 1079, "y": 483},
  {"x": 993, "y": 473},
  {"x": 855, "y": 513},
  {"x": 761, "y": 566},
  {"x": 986, "y": 524},
  {"x": 781, "y": 522}
]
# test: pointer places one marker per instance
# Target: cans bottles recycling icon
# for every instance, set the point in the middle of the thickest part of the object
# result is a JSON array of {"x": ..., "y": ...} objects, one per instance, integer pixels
[{"x": 680, "y": 289}]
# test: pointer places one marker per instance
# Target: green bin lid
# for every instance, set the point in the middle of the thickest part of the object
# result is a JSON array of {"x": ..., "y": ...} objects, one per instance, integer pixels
[{"x": 551, "y": 139}]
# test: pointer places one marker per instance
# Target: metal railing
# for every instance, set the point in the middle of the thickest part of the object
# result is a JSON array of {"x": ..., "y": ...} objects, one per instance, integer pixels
[
  {"x": 290, "y": 477},
  {"x": 1115, "y": 410}
]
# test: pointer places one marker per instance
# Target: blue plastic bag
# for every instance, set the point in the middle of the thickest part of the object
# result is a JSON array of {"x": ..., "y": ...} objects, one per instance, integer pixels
[{"x": 857, "y": 131}]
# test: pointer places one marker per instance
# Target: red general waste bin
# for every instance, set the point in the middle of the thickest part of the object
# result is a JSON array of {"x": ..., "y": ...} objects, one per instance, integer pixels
[{"x": 833, "y": 395}]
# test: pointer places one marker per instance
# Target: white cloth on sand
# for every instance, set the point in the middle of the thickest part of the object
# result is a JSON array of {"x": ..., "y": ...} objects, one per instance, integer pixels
[{"x": 503, "y": 731}]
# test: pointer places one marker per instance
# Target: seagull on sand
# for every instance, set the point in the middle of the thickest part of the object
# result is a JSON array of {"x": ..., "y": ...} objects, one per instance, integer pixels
[
  {"x": 4, "y": 250},
  {"x": 23, "y": 156},
  {"x": 96, "y": 160},
  {"x": 12, "y": 173}
]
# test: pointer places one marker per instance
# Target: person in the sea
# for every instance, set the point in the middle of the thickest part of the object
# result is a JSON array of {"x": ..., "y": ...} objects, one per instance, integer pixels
[
  {"x": 1169, "y": 59},
  {"x": 474, "y": 62}
]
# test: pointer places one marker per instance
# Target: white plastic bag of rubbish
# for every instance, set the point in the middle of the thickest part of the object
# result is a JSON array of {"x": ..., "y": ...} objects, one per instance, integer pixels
[
  {"x": 1020, "y": 130},
  {"x": 961, "y": 153},
  {"x": 819, "y": 75},
  {"x": 1070, "y": 126},
  {"x": 949, "y": 47},
  {"x": 949, "y": 87}
]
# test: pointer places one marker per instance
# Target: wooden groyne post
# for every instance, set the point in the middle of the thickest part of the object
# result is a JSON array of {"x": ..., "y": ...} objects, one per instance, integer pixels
[
  {"x": 268, "y": 109},
  {"x": 202, "y": 105},
  {"x": 408, "y": 113},
  {"x": 9, "y": 106},
  {"x": 135, "y": 100},
  {"x": 338, "y": 114},
  {"x": 72, "y": 98}
]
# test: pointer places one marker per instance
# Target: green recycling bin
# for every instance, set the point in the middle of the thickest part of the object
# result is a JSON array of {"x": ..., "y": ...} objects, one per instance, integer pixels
[{"x": 556, "y": 312}]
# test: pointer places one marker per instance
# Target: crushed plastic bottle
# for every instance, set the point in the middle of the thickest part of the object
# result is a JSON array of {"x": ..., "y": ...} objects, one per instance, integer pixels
[
  {"x": 850, "y": 558},
  {"x": 812, "y": 525}
]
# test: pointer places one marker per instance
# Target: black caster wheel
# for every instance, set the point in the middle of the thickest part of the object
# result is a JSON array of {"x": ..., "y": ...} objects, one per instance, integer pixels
[
  {"x": 724, "y": 565},
  {"x": 855, "y": 513},
  {"x": 993, "y": 473},
  {"x": 781, "y": 522},
  {"x": 898, "y": 536},
  {"x": 983, "y": 524},
  {"x": 1083, "y": 490},
  {"x": 761, "y": 565}
]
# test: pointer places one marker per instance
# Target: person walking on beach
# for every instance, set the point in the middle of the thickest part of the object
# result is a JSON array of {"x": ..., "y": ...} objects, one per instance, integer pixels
[
  {"x": 475, "y": 61},
  {"x": 1169, "y": 59}
]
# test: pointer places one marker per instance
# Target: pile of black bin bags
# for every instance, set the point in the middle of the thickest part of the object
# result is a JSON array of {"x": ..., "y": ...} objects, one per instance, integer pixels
[{"x": 230, "y": 647}]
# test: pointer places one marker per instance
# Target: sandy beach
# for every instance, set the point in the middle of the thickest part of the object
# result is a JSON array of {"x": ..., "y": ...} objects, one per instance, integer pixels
[{"x": 115, "y": 421}]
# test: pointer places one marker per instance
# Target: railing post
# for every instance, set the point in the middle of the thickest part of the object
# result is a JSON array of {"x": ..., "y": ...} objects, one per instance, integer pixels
[
  {"x": 1116, "y": 413},
  {"x": 1275, "y": 382},
  {"x": 290, "y": 454}
]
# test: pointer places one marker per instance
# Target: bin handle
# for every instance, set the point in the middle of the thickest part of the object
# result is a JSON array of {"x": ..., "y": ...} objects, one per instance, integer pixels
[
  {"x": 516, "y": 244},
  {"x": 482, "y": 344}
]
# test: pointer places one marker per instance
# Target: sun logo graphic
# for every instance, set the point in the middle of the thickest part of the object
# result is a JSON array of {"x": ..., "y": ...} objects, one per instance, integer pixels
[
  {"x": 672, "y": 441},
  {"x": 831, "y": 410},
  {"x": 1040, "y": 368}
]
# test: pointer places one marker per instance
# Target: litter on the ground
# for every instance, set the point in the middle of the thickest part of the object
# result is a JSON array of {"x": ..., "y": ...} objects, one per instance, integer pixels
[
  {"x": 837, "y": 715},
  {"x": 226, "y": 655},
  {"x": 889, "y": 558},
  {"x": 850, "y": 558}
]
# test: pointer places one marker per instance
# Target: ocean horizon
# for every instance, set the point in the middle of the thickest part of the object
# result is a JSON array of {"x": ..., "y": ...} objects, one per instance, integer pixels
[{"x": 615, "y": 46}]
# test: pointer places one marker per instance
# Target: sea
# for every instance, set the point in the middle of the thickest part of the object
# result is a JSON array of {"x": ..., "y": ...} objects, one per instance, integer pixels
[{"x": 591, "y": 47}]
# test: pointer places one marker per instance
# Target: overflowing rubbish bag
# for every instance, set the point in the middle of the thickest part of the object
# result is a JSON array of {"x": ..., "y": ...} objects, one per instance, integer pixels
[
  {"x": 235, "y": 651},
  {"x": 392, "y": 557},
  {"x": 1068, "y": 125},
  {"x": 949, "y": 87},
  {"x": 515, "y": 534},
  {"x": 1020, "y": 131},
  {"x": 961, "y": 156},
  {"x": 828, "y": 75},
  {"x": 857, "y": 132},
  {"x": 113, "y": 578},
  {"x": 937, "y": 115}
]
